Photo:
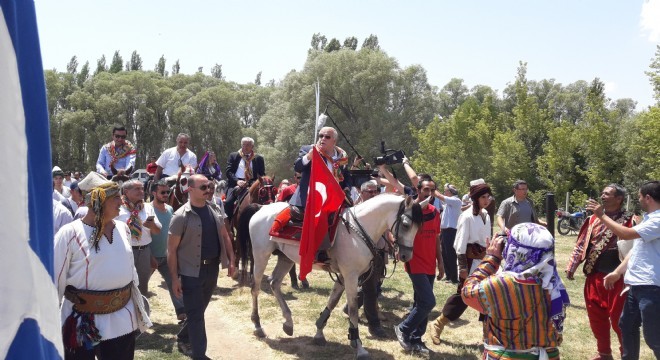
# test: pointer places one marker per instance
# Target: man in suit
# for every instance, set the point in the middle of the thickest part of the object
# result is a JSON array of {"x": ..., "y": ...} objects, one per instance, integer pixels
[
  {"x": 335, "y": 159},
  {"x": 243, "y": 167}
]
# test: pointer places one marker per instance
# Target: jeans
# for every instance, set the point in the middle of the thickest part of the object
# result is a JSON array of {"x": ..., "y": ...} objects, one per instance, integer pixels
[
  {"x": 197, "y": 293},
  {"x": 447, "y": 237},
  {"x": 414, "y": 326},
  {"x": 642, "y": 307},
  {"x": 120, "y": 348},
  {"x": 164, "y": 271}
]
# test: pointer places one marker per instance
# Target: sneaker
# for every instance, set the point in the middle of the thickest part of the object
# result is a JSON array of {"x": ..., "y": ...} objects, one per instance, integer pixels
[
  {"x": 405, "y": 343},
  {"x": 184, "y": 348},
  {"x": 421, "y": 350}
]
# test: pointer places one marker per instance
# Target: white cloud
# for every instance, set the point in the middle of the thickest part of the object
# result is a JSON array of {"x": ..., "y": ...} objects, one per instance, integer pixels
[{"x": 650, "y": 19}]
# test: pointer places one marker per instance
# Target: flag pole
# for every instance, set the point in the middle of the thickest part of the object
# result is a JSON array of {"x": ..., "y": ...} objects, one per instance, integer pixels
[{"x": 318, "y": 99}]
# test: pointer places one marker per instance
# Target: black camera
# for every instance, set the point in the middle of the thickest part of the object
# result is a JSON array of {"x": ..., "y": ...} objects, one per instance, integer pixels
[{"x": 393, "y": 157}]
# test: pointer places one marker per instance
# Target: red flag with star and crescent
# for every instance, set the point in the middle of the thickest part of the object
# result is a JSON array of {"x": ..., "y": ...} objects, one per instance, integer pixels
[{"x": 324, "y": 197}]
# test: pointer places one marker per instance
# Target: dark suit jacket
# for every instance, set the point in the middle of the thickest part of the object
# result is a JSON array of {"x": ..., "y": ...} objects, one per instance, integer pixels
[
  {"x": 258, "y": 168},
  {"x": 299, "y": 198}
]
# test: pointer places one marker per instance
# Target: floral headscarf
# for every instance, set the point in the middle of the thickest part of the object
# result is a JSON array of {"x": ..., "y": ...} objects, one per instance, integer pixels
[{"x": 529, "y": 254}]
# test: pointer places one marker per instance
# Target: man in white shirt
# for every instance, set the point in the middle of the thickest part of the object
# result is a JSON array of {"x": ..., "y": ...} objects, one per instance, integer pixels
[
  {"x": 142, "y": 222},
  {"x": 173, "y": 158},
  {"x": 451, "y": 205},
  {"x": 643, "y": 300},
  {"x": 61, "y": 216}
]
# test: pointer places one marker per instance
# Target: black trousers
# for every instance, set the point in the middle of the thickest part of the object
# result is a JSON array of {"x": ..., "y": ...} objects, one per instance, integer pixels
[
  {"x": 447, "y": 237},
  {"x": 454, "y": 305},
  {"x": 121, "y": 348},
  {"x": 369, "y": 293},
  {"x": 197, "y": 293}
]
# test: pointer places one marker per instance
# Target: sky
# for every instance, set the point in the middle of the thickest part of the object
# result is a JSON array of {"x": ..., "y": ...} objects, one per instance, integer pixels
[{"x": 481, "y": 42}]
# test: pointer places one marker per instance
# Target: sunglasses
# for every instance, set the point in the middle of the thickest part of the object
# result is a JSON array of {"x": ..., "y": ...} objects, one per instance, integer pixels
[
  {"x": 203, "y": 187},
  {"x": 298, "y": 177},
  {"x": 328, "y": 137},
  {"x": 164, "y": 192},
  {"x": 371, "y": 191},
  {"x": 120, "y": 136}
]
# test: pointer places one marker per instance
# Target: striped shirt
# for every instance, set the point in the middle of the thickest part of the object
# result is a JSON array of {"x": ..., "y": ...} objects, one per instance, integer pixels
[{"x": 517, "y": 312}]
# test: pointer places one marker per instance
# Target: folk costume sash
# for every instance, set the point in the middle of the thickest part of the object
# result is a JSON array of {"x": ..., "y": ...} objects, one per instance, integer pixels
[
  {"x": 134, "y": 223},
  {"x": 341, "y": 160},
  {"x": 248, "y": 163},
  {"x": 604, "y": 238},
  {"x": 121, "y": 152}
]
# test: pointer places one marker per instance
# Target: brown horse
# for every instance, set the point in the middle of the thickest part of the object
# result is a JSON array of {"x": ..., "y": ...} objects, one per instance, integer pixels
[
  {"x": 179, "y": 187},
  {"x": 261, "y": 192}
]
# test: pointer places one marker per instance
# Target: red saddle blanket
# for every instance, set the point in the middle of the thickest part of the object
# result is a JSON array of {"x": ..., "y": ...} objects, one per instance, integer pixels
[{"x": 293, "y": 231}]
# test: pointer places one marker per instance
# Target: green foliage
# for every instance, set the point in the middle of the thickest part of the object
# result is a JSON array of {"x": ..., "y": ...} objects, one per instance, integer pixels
[
  {"x": 160, "y": 66},
  {"x": 117, "y": 63},
  {"x": 654, "y": 74},
  {"x": 136, "y": 62}
]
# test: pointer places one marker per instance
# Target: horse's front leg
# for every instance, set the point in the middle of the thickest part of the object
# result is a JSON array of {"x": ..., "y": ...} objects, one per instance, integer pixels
[
  {"x": 333, "y": 300},
  {"x": 351, "y": 284},
  {"x": 282, "y": 268}
]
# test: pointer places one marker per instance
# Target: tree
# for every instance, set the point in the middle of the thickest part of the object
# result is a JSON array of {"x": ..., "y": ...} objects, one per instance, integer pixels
[
  {"x": 257, "y": 80},
  {"x": 72, "y": 66},
  {"x": 216, "y": 71},
  {"x": 117, "y": 63},
  {"x": 160, "y": 66},
  {"x": 318, "y": 41},
  {"x": 136, "y": 61},
  {"x": 100, "y": 65},
  {"x": 654, "y": 74},
  {"x": 83, "y": 75},
  {"x": 333, "y": 45},
  {"x": 350, "y": 43},
  {"x": 176, "y": 67},
  {"x": 452, "y": 95},
  {"x": 371, "y": 43}
]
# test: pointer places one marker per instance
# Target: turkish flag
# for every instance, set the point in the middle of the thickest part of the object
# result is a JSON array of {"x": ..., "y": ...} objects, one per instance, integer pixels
[{"x": 324, "y": 197}]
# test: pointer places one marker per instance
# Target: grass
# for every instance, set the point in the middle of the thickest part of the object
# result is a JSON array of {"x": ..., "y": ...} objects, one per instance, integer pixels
[{"x": 230, "y": 335}]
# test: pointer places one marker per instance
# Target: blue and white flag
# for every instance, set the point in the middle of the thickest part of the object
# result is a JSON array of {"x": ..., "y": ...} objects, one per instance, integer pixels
[{"x": 29, "y": 308}]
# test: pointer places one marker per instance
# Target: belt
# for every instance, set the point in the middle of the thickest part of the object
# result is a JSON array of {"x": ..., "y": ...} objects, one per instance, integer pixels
[
  {"x": 98, "y": 302},
  {"x": 140, "y": 247},
  {"x": 210, "y": 261}
]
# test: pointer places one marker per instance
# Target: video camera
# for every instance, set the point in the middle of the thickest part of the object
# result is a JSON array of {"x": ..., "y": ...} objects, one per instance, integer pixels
[{"x": 389, "y": 156}]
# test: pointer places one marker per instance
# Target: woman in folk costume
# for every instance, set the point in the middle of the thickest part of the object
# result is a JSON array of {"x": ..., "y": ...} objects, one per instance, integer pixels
[
  {"x": 472, "y": 235},
  {"x": 101, "y": 306},
  {"x": 209, "y": 167},
  {"x": 525, "y": 304}
]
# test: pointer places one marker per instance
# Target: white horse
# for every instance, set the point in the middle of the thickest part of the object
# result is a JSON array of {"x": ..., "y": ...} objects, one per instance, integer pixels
[{"x": 350, "y": 254}]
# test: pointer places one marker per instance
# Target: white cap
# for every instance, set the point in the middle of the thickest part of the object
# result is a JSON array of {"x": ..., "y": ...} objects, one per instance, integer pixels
[
  {"x": 477, "y": 182},
  {"x": 92, "y": 180}
]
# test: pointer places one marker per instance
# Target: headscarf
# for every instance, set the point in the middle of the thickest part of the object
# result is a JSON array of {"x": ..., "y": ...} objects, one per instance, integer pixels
[
  {"x": 134, "y": 223},
  {"x": 529, "y": 254},
  {"x": 212, "y": 171},
  {"x": 477, "y": 188},
  {"x": 95, "y": 199}
]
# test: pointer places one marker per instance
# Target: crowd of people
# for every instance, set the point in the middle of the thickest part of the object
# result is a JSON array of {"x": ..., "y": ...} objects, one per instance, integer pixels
[{"x": 109, "y": 241}]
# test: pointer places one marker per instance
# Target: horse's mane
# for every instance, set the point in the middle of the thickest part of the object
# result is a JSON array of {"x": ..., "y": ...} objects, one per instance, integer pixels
[{"x": 378, "y": 201}]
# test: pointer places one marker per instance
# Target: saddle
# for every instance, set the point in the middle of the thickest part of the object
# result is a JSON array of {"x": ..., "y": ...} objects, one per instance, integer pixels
[{"x": 291, "y": 232}]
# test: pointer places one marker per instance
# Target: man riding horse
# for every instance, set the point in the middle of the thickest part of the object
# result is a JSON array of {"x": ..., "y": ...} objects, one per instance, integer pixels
[
  {"x": 243, "y": 167},
  {"x": 335, "y": 159}
]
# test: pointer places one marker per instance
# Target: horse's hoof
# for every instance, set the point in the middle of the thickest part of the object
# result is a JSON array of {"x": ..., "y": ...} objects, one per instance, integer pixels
[
  {"x": 288, "y": 329},
  {"x": 362, "y": 354},
  {"x": 259, "y": 333},
  {"x": 320, "y": 341}
]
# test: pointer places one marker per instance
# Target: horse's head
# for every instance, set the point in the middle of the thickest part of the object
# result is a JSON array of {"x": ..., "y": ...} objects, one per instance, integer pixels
[
  {"x": 182, "y": 178},
  {"x": 264, "y": 189},
  {"x": 408, "y": 221}
]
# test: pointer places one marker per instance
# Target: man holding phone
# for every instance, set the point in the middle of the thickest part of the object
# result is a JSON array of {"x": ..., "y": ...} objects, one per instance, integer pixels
[{"x": 142, "y": 222}]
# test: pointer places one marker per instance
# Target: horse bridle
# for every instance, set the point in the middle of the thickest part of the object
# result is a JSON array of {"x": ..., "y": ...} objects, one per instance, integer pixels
[{"x": 401, "y": 216}]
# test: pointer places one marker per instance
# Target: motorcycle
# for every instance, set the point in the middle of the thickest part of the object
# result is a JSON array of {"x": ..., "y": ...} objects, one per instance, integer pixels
[{"x": 567, "y": 222}]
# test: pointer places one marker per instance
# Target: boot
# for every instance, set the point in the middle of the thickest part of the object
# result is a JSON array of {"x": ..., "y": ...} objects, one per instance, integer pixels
[
  {"x": 438, "y": 326},
  {"x": 280, "y": 221}
]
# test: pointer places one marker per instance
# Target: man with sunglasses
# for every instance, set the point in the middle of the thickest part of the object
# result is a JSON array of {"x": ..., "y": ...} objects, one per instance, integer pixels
[
  {"x": 335, "y": 159},
  {"x": 118, "y": 156},
  {"x": 197, "y": 245},
  {"x": 164, "y": 212}
]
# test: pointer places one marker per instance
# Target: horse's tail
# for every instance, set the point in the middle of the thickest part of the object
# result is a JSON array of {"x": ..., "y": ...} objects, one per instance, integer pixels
[{"x": 243, "y": 236}]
